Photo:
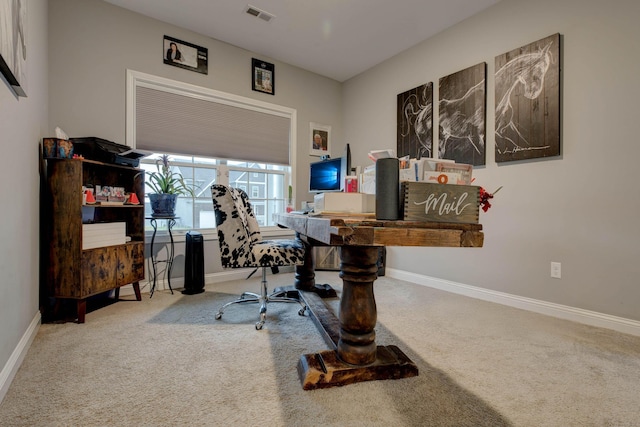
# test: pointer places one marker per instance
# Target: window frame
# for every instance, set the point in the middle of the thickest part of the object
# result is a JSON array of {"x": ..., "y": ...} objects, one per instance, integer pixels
[
  {"x": 222, "y": 171},
  {"x": 136, "y": 78}
]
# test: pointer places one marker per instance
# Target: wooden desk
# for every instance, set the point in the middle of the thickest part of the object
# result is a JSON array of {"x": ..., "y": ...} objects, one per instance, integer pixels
[{"x": 355, "y": 356}]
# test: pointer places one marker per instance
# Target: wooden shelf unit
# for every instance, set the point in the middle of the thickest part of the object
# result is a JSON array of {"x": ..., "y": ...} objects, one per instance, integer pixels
[{"x": 74, "y": 273}]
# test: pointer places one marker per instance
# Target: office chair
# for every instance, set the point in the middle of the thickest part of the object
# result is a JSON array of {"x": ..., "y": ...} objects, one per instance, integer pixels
[{"x": 241, "y": 246}]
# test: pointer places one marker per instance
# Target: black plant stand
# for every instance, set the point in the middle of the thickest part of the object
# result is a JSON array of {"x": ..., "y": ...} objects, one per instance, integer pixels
[{"x": 171, "y": 221}]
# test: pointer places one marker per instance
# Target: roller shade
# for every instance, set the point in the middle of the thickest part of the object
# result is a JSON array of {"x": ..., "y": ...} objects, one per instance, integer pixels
[{"x": 168, "y": 122}]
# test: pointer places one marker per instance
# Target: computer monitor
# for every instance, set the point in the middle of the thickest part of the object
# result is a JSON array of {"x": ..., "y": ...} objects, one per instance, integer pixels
[
  {"x": 346, "y": 158},
  {"x": 326, "y": 175},
  {"x": 329, "y": 174}
]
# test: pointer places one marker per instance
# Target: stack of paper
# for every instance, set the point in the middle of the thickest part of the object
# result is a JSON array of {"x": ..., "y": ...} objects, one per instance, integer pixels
[
  {"x": 388, "y": 153},
  {"x": 368, "y": 180},
  {"x": 103, "y": 234}
]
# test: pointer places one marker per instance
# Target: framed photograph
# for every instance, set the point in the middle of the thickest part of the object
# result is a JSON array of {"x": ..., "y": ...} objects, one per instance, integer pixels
[
  {"x": 320, "y": 139},
  {"x": 13, "y": 44},
  {"x": 185, "y": 55},
  {"x": 263, "y": 77}
]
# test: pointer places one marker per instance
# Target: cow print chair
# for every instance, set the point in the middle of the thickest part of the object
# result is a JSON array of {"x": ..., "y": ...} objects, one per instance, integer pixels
[{"x": 241, "y": 246}]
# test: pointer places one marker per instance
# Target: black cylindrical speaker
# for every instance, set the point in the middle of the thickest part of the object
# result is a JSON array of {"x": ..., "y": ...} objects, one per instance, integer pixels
[
  {"x": 194, "y": 264},
  {"x": 388, "y": 189}
]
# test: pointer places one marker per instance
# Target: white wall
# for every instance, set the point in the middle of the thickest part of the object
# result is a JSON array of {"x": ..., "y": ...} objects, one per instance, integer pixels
[
  {"x": 93, "y": 43},
  {"x": 580, "y": 209},
  {"x": 22, "y": 124}
]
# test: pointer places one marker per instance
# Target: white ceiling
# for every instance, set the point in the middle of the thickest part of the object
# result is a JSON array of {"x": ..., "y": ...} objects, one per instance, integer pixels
[{"x": 334, "y": 38}]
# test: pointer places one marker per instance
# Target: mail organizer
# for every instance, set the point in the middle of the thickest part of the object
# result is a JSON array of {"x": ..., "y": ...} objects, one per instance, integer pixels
[{"x": 424, "y": 201}]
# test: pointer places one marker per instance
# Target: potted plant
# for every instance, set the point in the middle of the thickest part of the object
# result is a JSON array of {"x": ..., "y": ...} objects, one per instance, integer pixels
[{"x": 166, "y": 185}]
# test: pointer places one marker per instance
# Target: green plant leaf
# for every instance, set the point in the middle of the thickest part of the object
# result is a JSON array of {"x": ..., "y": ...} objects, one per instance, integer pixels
[{"x": 164, "y": 180}]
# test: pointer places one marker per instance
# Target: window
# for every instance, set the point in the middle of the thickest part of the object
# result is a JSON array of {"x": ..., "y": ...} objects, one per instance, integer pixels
[
  {"x": 205, "y": 132},
  {"x": 263, "y": 183}
]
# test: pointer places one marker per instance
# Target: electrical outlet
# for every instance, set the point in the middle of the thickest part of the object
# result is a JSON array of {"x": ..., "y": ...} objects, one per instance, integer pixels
[{"x": 556, "y": 270}]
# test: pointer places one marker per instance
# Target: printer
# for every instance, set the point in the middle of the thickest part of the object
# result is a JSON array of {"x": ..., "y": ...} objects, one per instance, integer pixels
[{"x": 105, "y": 151}]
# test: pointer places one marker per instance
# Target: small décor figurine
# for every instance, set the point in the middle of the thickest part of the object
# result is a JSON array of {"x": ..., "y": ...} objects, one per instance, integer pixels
[
  {"x": 484, "y": 198},
  {"x": 133, "y": 199}
]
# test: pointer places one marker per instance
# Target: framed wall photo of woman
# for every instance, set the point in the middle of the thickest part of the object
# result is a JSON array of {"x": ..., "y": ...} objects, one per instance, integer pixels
[
  {"x": 185, "y": 55},
  {"x": 263, "y": 76},
  {"x": 320, "y": 139}
]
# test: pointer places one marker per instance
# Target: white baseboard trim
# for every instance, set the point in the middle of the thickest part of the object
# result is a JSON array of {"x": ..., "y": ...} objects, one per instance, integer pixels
[
  {"x": 592, "y": 318},
  {"x": 14, "y": 362},
  {"x": 209, "y": 279}
]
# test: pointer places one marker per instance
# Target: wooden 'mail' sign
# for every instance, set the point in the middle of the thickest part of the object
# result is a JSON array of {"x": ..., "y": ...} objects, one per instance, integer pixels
[{"x": 423, "y": 201}]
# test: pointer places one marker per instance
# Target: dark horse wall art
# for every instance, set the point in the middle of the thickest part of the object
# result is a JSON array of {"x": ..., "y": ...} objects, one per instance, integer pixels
[
  {"x": 415, "y": 122},
  {"x": 527, "y": 90},
  {"x": 462, "y": 116}
]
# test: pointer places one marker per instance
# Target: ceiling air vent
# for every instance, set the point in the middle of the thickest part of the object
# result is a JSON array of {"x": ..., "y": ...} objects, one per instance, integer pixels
[{"x": 254, "y": 11}]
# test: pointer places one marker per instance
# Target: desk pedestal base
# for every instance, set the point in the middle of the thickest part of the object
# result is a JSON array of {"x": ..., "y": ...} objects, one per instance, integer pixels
[
  {"x": 305, "y": 274},
  {"x": 325, "y": 369}
]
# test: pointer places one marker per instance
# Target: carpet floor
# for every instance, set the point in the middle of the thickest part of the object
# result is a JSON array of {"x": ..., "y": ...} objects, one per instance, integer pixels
[{"x": 166, "y": 361}]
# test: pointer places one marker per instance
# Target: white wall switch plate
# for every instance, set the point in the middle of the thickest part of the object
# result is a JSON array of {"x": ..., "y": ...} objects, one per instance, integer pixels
[{"x": 556, "y": 270}]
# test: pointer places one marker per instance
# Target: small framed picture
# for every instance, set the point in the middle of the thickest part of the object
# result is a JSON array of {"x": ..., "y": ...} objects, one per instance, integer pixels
[
  {"x": 13, "y": 44},
  {"x": 263, "y": 76},
  {"x": 185, "y": 55},
  {"x": 320, "y": 139}
]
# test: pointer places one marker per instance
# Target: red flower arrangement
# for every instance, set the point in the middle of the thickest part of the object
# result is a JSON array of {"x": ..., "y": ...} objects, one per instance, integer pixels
[{"x": 484, "y": 198}]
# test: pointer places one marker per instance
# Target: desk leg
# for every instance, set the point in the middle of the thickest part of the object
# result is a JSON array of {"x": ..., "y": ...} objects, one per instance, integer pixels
[
  {"x": 358, "y": 312},
  {"x": 357, "y": 357},
  {"x": 305, "y": 274}
]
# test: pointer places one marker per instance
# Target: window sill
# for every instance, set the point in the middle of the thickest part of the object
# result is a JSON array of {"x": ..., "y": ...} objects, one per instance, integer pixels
[{"x": 162, "y": 236}]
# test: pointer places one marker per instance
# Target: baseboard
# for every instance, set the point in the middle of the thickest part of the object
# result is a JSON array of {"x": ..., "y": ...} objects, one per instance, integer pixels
[
  {"x": 209, "y": 279},
  {"x": 579, "y": 315},
  {"x": 14, "y": 362}
]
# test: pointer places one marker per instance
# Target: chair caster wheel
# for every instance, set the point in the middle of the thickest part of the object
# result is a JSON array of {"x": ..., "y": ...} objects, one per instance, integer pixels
[
  {"x": 301, "y": 311},
  {"x": 259, "y": 325},
  {"x": 218, "y": 316}
]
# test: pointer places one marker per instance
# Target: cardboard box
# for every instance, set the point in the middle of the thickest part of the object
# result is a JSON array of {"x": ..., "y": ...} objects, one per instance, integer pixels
[
  {"x": 56, "y": 148},
  {"x": 344, "y": 202},
  {"x": 424, "y": 201}
]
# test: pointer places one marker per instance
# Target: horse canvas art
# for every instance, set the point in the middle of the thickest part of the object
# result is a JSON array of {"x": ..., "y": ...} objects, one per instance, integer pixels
[
  {"x": 527, "y": 101},
  {"x": 462, "y": 116},
  {"x": 415, "y": 122}
]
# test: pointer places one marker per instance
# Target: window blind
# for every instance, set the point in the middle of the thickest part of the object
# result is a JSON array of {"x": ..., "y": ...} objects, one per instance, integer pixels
[{"x": 168, "y": 122}]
